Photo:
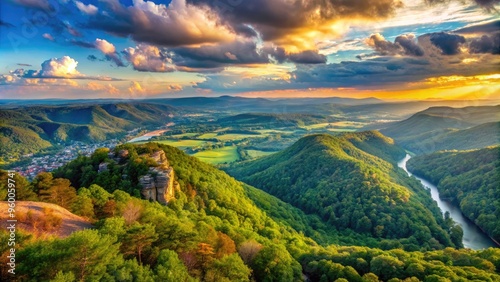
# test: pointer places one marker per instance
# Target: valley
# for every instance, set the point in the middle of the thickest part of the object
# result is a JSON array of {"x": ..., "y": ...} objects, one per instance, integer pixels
[
  {"x": 206, "y": 187},
  {"x": 473, "y": 236}
]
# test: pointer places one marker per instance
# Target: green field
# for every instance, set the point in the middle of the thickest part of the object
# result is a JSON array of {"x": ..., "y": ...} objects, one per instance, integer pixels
[
  {"x": 227, "y": 154},
  {"x": 229, "y": 136},
  {"x": 181, "y": 143},
  {"x": 258, "y": 153}
]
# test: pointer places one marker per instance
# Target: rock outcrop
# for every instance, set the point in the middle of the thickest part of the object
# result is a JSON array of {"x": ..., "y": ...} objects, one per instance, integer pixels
[{"x": 159, "y": 184}]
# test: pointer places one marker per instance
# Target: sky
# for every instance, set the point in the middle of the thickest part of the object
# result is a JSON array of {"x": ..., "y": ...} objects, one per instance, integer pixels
[{"x": 136, "y": 49}]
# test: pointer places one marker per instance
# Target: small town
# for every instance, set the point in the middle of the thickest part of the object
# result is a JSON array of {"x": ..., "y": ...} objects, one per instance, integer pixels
[{"x": 50, "y": 162}]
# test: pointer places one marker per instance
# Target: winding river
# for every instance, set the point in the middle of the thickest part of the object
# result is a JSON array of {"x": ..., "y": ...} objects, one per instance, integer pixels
[{"x": 474, "y": 238}]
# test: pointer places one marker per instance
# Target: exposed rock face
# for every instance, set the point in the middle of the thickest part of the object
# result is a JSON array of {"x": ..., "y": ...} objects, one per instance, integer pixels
[{"x": 158, "y": 185}]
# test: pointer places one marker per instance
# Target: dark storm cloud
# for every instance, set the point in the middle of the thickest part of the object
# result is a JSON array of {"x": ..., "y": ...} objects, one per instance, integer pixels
[
  {"x": 448, "y": 43},
  {"x": 238, "y": 53},
  {"x": 308, "y": 57},
  {"x": 275, "y": 19},
  {"x": 409, "y": 45},
  {"x": 490, "y": 27},
  {"x": 405, "y": 44},
  {"x": 486, "y": 44}
]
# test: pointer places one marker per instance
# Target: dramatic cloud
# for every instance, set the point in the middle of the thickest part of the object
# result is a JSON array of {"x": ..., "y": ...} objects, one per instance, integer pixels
[
  {"x": 448, "y": 43},
  {"x": 403, "y": 45},
  {"x": 57, "y": 68},
  {"x": 308, "y": 57},
  {"x": 104, "y": 46},
  {"x": 489, "y": 27},
  {"x": 486, "y": 44},
  {"x": 86, "y": 9},
  {"x": 64, "y": 67},
  {"x": 409, "y": 44},
  {"x": 173, "y": 25},
  {"x": 148, "y": 58},
  {"x": 297, "y": 24}
]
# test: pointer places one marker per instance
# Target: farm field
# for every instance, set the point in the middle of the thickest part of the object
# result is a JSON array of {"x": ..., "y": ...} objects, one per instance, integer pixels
[
  {"x": 181, "y": 143},
  {"x": 217, "y": 156}
]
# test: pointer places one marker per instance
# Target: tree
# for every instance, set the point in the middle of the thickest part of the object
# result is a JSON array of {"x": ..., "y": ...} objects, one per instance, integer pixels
[
  {"x": 227, "y": 269},
  {"x": 248, "y": 250},
  {"x": 274, "y": 263},
  {"x": 170, "y": 268},
  {"x": 386, "y": 267},
  {"x": 60, "y": 193},
  {"x": 138, "y": 237}
]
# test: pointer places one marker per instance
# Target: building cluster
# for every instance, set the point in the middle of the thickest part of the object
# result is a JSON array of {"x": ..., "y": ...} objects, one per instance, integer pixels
[{"x": 50, "y": 162}]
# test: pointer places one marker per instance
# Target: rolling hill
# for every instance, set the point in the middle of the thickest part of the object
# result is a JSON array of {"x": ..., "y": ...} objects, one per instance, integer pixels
[
  {"x": 216, "y": 229},
  {"x": 470, "y": 178},
  {"x": 31, "y": 129},
  {"x": 445, "y": 128},
  {"x": 351, "y": 182}
]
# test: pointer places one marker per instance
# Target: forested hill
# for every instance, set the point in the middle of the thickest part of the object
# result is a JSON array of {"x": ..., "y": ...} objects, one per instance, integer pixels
[
  {"x": 216, "y": 229},
  {"x": 25, "y": 130},
  {"x": 352, "y": 182},
  {"x": 471, "y": 178},
  {"x": 446, "y": 128}
]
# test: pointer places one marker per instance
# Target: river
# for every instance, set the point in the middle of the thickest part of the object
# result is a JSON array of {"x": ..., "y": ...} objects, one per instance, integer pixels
[{"x": 474, "y": 238}]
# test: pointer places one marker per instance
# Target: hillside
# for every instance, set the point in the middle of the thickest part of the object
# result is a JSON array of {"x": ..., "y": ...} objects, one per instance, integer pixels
[
  {"x": 445, "y": 128},
  {"x": 470, "y": 178},
  {"x": 40, "y": 127},
  {"x": 45, "y": 219},
  {"x": 351, "y": 182},
  {"x": 216, "y": 229}
]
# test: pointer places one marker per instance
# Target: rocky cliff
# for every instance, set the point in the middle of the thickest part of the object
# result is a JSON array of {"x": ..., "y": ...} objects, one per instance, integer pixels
[{"x": 159, "y": 184}]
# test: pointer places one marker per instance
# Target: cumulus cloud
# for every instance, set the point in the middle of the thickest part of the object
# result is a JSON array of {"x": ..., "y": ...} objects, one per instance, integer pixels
[
  {"x": 486, "y": 44},
  {"x": 297, "y": 24},
  {"x": 148, "y": 58},
  {"x": 405, "y": 44},
  {"x": 448, "y": 43},
  {"x": 86, "y": 9},
  {"x": 64, "y": 67},
  {"x": 57, "y": 68},
  {"x": 104, "y": 46},
  {"x": 173, "y": 25}
]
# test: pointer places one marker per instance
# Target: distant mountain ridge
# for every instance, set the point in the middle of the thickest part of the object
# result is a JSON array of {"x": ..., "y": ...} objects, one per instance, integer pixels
[
  {"x": 31, "y": 129},
  {"x": 445, "y": 128}
]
